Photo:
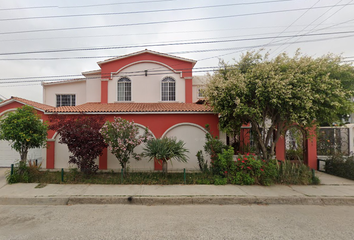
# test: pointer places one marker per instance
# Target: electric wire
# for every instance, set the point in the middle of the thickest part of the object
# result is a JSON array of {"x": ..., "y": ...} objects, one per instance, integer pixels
[
  {"x": 134, "y": 12},
  {"x": 159, "y": 22}
]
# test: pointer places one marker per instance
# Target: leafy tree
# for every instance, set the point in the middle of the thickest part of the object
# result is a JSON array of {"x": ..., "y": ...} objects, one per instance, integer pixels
[
  {"x": 166, "y": 149},
  {"x": 24, "y": 130},
  {"x": 81, "y": 135},
  {"x": 122, "y": 137},
  {"x": 273, "y": 94}
]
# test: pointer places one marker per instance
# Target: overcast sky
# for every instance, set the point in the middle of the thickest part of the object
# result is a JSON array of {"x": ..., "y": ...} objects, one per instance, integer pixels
[{"x": 40, "y": 39}]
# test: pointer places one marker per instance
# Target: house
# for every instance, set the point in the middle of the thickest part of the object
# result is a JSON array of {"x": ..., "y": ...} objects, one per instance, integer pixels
[{"x": 155, "y": 90}]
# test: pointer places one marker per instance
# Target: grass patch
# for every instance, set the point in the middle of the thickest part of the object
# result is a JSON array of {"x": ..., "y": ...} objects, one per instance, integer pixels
[{"x": 149, "y": 178}]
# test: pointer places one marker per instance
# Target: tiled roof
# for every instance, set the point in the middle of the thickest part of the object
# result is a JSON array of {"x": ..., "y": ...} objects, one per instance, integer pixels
[
  {"x": 132, "y": 107},
  {"x": 37, "y": 105}
]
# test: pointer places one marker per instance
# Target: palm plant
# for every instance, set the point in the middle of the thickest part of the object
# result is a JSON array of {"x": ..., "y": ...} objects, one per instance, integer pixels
[{"x": 166, "y": 149}]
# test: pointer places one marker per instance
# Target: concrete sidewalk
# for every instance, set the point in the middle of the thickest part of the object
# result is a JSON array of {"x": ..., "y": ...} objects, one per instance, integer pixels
[{"x": 332, "y": 191}]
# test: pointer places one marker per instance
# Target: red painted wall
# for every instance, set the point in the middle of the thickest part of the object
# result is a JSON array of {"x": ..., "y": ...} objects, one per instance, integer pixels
[{"x": 178, "y": 65}]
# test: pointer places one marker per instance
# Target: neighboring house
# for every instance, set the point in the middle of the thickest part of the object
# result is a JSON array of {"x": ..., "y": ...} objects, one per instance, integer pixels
[
  {"x": 153, "y": 89},
  {"x": 2, "y": 98}
]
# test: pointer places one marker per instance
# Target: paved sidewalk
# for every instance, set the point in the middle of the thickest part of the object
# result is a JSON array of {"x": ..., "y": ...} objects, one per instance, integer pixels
[{"x": 332, "y": 191}]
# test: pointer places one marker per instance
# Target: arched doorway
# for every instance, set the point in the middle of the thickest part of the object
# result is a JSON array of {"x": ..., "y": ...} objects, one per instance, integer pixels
[{"x": 295, "y": 145}]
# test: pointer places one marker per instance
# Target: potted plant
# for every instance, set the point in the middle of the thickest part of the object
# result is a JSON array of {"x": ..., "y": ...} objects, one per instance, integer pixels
[{"x": 165, "y": 149}]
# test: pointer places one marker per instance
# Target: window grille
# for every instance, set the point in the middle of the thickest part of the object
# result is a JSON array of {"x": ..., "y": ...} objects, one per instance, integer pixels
[
  {"x": 124, "y": 90},
  {"x": 168, "y": 89},
  {"x": 66, "y": 100}
]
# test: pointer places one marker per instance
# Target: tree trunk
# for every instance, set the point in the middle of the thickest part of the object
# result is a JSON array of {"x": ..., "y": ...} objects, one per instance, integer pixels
[
  {"x": 164, "y": 167},
  {"x": 124, "y": 166},
  {"x": 23, "y": 155}
]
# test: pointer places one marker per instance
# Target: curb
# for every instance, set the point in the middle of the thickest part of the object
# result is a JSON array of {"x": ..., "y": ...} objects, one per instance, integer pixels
[{"x": 180, "y": 200}]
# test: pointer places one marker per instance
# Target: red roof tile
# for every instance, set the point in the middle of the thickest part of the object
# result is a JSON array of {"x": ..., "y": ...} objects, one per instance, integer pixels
[
  {"x": 37, "y": 105},
  {"x": 132, "y": 107}
]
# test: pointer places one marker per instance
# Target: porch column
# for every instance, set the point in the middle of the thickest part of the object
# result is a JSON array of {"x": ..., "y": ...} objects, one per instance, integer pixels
[
  {"x": 280, "y": 148},
  {"x": 50, "y": 154},
  {"x": 102, "y": 162}
]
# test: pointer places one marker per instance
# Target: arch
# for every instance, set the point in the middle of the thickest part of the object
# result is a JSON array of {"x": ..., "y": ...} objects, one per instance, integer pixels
[
  {"x": 7, "y": 111},
  {"x": 143, "y": 127},
  {"x": 194, "y": 140},
  {"x": 145, "y": 61},
  {"x": 184, "y": 124},
  {"x": 295, "y": 146}
]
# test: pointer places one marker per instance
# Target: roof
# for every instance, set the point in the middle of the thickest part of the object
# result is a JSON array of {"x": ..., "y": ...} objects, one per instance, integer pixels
[
  {"x": 133, "y": 108},
  {"x": 146, "y": 51},
  {"x": 39, "y": 106},
  {"x": 65, "y": 81}
]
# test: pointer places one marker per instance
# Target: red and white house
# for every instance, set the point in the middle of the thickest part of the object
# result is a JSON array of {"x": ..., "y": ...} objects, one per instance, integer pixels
[{"x": 153, "y": 89}]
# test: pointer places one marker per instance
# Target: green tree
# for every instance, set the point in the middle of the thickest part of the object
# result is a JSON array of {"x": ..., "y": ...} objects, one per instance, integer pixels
[
  {"x": 24, "y": 130},
  {"x": 166, "y": 149},
  {"x": 122, "y": 137},
  {"x": 273, "y": 94}
]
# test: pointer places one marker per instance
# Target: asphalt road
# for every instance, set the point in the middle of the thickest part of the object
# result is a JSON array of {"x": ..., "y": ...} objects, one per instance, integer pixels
[{"x": 176, "y": 222}]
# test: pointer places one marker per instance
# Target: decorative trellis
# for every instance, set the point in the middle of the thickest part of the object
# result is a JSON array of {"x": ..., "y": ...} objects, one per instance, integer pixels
[{"x": 333, "y": 140}]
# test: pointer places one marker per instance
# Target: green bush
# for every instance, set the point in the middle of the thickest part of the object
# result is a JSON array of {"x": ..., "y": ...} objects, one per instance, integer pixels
[
  {"x": 249, "y": 169},
  {"x": 340, "y": 166},
  {"x": 203, "y": 164},
  {"x": 294, "y": 173},
  {"x": 24, "y": 172}
]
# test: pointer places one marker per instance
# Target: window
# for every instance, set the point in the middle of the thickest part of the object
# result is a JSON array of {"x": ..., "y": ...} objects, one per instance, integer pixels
[
  {"x": 168, "y": 89},
  {"x": 66, "y": 100},
  {"x": 124, "y": 90},
  {"x": 200, "y": 92}
]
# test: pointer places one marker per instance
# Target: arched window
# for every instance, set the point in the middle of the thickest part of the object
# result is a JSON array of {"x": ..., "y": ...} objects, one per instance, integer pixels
[
  {"x": 124, "y": 90},
  {"x": 168, "y": 89}
]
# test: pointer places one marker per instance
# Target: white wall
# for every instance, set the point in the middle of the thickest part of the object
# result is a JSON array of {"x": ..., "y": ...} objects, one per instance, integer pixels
[
  {"x": 77, "y": 88},
  {"x": 146, "y": 88},
  {"x": 93, "y": 88},
  {"x": 194, "y": 138}
]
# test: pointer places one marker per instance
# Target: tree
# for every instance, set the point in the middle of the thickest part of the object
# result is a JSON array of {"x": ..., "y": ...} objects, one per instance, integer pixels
[
  {"x": 24, "y": 130},
  {"x": 81, "y": 135},
  {"x": 166, "y": 149},
  {"x": 273, "y": 94},
  {"x": 122, "y": 137}
]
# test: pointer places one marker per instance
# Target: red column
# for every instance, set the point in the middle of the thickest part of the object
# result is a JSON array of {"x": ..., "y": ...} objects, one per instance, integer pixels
[
  {"x": 50, "y": 154},
  {"x": 312, "y": 149},
  {"x": 104, "y": 91},
  {"x": 189, "y": 92},
  {"x": 102, "y": 163},
  {"x": 244, "y": 139},
  {"x": 280, "y": 148}
]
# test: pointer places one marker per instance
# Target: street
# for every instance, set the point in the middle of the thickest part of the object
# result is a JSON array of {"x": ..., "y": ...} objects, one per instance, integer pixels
[{"x": 176, "y": 222}]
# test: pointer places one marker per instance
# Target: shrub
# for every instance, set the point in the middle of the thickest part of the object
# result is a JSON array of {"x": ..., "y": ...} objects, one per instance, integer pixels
[
  {"x": 122, "y": 137},
  {"x": 294, "y": 173},
  {"x": 246, "y": 170},
  {"x": 203, "y": 164},
  {"x": 24, "y": 173},
  {"x": 249, "y": 169},
  {"x": 340, "y": 166},
  {"x": 166, "y": 149},
  {"x": 81, "y": 135},
  {"x": 213, "y": 146}
]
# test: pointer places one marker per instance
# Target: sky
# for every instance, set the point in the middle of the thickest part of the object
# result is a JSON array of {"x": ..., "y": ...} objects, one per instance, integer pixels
[{"x": 52, "y": 40}]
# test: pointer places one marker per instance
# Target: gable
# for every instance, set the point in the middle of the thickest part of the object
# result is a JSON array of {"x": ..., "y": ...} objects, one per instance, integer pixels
[{"x": 115, "y": 65}]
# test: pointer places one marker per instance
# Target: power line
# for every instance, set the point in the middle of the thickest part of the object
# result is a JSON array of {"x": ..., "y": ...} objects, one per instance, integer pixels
[
  {"x": 138, "y": 12},
  {"x": 318, "y": 23},
  {"x": 180, "y": 52},
  {"x": 173, "y": 43},
  {"x": 160, "y": 22},
  {"x": 82, "y": 6}
]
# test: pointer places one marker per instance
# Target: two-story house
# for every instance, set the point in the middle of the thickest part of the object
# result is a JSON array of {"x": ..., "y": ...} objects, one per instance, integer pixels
[{"x": 153, "y": 89}]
